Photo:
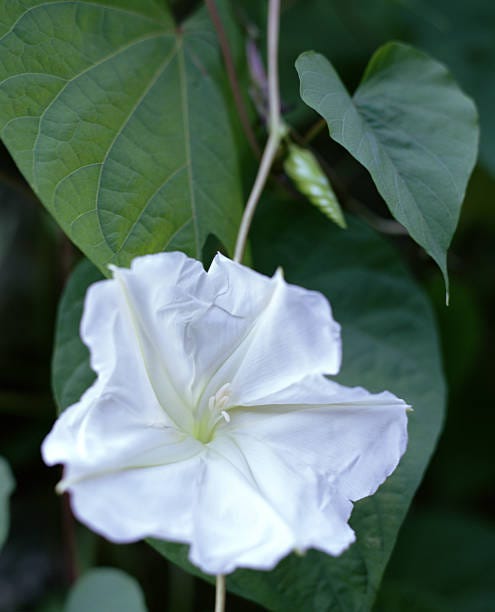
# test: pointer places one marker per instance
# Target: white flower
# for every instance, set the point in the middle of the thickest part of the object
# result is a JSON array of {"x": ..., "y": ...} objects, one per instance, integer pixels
[{"x": 211, "y": 421}]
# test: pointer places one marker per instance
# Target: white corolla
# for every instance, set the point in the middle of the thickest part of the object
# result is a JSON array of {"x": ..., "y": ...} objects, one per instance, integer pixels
[{"x": 211, "y": 421}]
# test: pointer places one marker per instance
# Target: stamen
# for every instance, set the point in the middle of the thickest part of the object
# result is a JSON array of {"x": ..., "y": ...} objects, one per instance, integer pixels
[
  {"x": 225, "y": 415},
  {"x": 221, "y": 398},
  {"x": 223, "y": 392},
  {"x": 214, "y": 411},
  {"x": 222, "y": 402}
]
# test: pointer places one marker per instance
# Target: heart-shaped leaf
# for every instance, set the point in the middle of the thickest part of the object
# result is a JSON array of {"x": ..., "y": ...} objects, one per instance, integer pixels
[
  {"x": 71, "y": 372},
  {"x": 411, "y": 127},
  {"x": 389, "y": 342},
  {"x": 117, "y": 118}
]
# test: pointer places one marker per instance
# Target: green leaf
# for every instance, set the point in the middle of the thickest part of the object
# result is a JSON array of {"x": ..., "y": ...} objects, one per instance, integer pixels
[
  {"x": 453, "y": 573},
  {"x": 6, "y": 487},
  {"x": 460, "y": 34},
  {"x": 389, "y": 341},
  {"x": 71, "y": 372},
  {"x": 413, "y": 129},
  {"x": 117, "y": 118},
  {"x": 105, "y": 590}
]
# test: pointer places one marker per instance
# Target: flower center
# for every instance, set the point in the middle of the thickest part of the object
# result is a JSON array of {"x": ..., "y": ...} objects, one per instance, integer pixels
[{"x": 214, "y": 412}]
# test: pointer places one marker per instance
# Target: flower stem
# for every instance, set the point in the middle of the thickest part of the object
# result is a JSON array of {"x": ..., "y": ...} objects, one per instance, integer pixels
[
  {"x": 275, "y": 129},
  {"x": 220, "y": 594}
]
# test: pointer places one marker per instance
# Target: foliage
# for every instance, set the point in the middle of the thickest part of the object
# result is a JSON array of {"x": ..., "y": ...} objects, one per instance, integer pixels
[
  {"x": 90, "y": 90},
  {"x": 412, "y": 129},
  {"x": 122, "y": 120},
  {"x": 105, "y": 590},
  {"x": 387, "y": 332}
]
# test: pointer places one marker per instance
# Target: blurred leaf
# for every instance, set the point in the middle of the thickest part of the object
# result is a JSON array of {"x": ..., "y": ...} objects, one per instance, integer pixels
[
  {"x": 6, "y": 487},
  {"x": 411, "y": 127},
  {"x": 306, "y": 173},
  {"x": 461, "y": 331},
  {"x": 467, "y": 337},
  {"x": 444, "y": 563},
  {"x": 52, "y": 604},
  {"x": 460, "y": 34},
  {"x": 71, "y": 372},
  {"x": 346, "y": 31},
  {"x": 117, "y": 119},
  {"x": 478, "y": 212},
  {"x": 105, "y": 590},
  {"x": 389, "y": 342}
]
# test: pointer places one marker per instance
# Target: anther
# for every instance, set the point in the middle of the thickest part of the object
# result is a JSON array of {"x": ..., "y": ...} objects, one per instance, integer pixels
[{"x": 226, "y": 416}]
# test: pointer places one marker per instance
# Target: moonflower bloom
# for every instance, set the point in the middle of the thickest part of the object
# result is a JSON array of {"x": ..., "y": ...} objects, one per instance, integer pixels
[{"x": 211, "y": 421}]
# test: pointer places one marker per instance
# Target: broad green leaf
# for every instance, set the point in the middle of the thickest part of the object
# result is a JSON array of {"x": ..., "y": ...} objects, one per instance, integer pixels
[
  {"x": 117, "y": 118},
  {"x": 443, "y": 563},
  {"x": 71, "y": 372},
  {"x": 105, "y": 590},
  {"x": 389, "y": 342},
  {"x": 6, "y": 488},
  {"x": 413, "y": 129},
  {"x": 460, "y": 34}
]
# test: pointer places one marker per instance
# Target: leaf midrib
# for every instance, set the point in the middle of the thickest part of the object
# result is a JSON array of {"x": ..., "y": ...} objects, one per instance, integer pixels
[
  {"x": 187, "y": 141},
  {"x": 154, "y": 79},
  {"x": 44, "y": 5}
]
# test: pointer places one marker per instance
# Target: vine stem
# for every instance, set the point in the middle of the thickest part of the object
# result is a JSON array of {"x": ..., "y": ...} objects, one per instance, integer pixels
[
  {"x": 232, "y": 75},
  {"x": 313, "y": 131},
  {"x": 274, "y": 129},
  {"x": 220, "y": 593}
]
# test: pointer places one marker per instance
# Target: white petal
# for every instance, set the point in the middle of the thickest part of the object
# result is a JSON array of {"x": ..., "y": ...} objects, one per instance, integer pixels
[
  {"x": 129, "y": 477},
  {"x": 164, "y": 295},
  {"x": 234, "y": 525},
  {"x": 197, "y": 331},
  {"x": 290, "y": 452},
  {"x": 138, "y": 339},
  {"x": 109, "y": 432},
  {"x": 116, "y": 357},
  {"x": 263, "y": 334},
  {"x": 133, "y": 504},
  {"x": 354, "y": 439},
  {"x": 254, "y": 508}
]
